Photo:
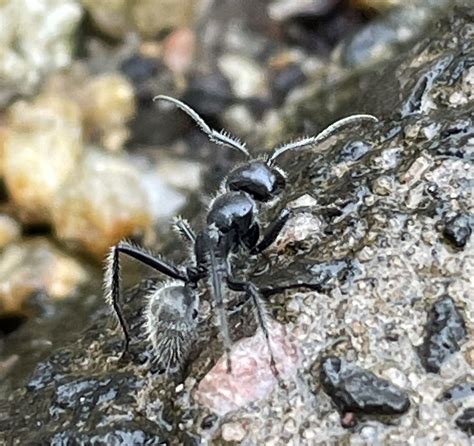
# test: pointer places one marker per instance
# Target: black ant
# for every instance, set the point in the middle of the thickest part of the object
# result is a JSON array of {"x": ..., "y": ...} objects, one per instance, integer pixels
[{"x": 231, "y": 224}]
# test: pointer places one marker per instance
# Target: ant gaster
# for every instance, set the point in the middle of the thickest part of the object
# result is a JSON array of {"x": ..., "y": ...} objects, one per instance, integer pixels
[{"x": 231, "y": 224}]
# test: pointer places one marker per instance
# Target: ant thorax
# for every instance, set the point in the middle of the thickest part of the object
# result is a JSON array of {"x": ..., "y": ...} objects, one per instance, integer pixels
[{"x": 171, "y": 320}]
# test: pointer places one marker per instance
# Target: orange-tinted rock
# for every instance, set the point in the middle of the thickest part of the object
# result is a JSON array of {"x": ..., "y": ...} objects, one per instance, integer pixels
[
  {"x": 41, "y": 148},
  {"x": 103, "y": 202},
  {"x": 108, "y": 103},
  {"x": 35, "y": 265},
  {"x": 117, "y": 18},
  {"x": 10, "y": 230}
]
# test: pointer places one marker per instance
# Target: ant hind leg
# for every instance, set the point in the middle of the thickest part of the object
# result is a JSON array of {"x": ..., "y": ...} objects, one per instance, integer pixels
[{"x": 112, "y": 279}]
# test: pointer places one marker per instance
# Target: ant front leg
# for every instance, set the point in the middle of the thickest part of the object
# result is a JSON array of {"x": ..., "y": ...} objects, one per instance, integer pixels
[
  {"x": 272, "y": 232},
  {"x": 112, "y": 278}
]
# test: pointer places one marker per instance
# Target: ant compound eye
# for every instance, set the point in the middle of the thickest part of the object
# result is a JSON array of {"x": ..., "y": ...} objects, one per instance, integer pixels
[{"x": 195, "y": 314}]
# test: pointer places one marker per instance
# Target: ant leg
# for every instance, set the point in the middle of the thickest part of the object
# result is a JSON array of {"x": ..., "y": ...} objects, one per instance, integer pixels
[
  {"x": 275, "y": 289},
  {"x": 183, "y": 228},
  {"x": 112, "y": 290},
  {"x": 158, "y": 264},
  {"x": 112, "y": 278},
  {"x": 216, "y": 282},
  {"x": 260, "y": 313},
  {"x": 272, "y": 232}
]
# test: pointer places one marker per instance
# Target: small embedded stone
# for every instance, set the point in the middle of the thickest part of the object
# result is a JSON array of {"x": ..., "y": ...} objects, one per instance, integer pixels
[
  {"x": 251, "y": 378},
  {"x": 348, "y": 420},
  {"x": 465, "y": 421},
  {"x": 233, "y": 432},
  {"x": 458, "y": 230},
  {"x": 356, "y": 390},
  {"x": 458, "y": 391},
  {"x": 444, "y": 332}
]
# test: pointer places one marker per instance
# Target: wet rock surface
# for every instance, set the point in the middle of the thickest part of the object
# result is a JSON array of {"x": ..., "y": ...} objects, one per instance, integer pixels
[
  {"x": 99, "y": 403},
  {"x": 354, "y": 389},
  {"x": 353, "y": 276},
  {"x": 445, "y": 331}
]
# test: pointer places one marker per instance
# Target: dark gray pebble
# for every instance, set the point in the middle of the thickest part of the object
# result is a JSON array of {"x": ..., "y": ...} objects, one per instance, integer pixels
[
  {"x": 444, "y": 332},
  {"x": 209, "y": 94},
  {"x": 458, "y": 230},
  {"x": 285, "y": 80},
  {"x": 354, "y": 389},
  {"x": 465, "y": 421}
]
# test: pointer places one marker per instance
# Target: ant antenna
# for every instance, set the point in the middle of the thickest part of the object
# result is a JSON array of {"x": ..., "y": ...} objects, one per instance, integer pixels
[
  {"x": 221, "y": 138},
  {"x": 326, "y": 133}
]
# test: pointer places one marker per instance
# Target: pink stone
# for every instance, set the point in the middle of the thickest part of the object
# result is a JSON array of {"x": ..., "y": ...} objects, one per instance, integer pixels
[
  {"x": 179, "y": 50},
  {"x": 251, "y": 378}
]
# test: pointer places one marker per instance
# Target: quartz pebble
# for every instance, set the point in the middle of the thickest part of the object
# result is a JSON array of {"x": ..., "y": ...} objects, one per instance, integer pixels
[
  {"x": 251, "y": 378},
  {"x": 178, "y": 50},
  {"x": 233, "y": 432},
  {"x": 245, "y": 76}
]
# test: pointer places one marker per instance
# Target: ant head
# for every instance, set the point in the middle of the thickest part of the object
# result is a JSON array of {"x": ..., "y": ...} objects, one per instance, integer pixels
[{"x": 261, "y": 181}]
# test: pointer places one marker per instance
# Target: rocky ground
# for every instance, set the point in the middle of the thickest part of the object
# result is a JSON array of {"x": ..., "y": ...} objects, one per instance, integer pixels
[{"x": 369, "y": 286}]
